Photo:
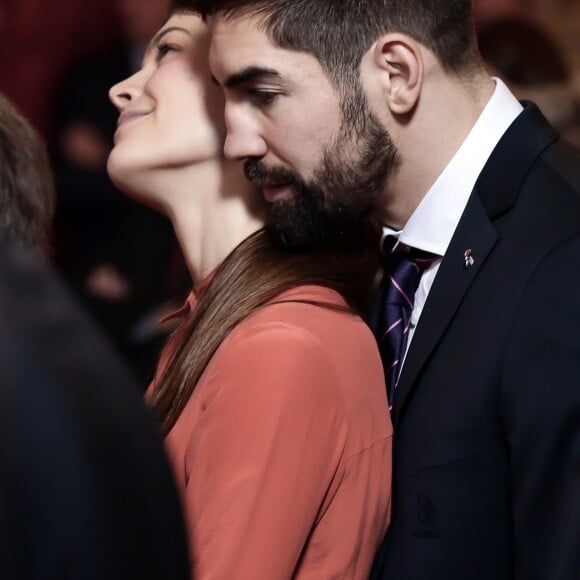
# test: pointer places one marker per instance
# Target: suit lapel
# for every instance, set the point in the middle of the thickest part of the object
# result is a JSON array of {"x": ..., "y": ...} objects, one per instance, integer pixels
[
  {"x": 495, "y": 193},
  {"x": 475, "y": 233}
]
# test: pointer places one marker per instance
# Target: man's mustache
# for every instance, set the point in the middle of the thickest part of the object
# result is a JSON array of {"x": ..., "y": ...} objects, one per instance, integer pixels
[{"x": 259, "y": 173}]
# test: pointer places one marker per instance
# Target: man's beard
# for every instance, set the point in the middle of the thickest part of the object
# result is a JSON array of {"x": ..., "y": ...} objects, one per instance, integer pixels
[{"x": 345, "y": 187}]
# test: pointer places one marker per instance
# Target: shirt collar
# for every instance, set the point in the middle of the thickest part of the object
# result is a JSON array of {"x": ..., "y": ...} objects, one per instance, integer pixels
[
  {"x": 191, "y": 300},
  {"x": 434, "y": 221}
]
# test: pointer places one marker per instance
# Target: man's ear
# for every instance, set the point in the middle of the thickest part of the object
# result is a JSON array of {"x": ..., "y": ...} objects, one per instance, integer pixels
[{"x": 399, "y": 60}]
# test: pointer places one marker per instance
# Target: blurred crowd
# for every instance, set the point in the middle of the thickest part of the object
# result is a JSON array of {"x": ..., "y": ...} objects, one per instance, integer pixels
[
  {"x": 120, "y": 258},
  {"x": 534, "y": 45}
]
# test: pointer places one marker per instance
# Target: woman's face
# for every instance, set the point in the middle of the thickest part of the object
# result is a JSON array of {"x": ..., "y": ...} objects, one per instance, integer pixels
[{"x": 171, "y": 114}]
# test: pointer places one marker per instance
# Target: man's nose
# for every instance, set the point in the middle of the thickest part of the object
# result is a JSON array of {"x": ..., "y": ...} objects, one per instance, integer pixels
[{"x": 244, "y": 138}]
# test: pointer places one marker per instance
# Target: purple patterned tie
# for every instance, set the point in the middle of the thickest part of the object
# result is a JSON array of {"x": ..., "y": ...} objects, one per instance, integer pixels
[{"x": 403, "y": 270}]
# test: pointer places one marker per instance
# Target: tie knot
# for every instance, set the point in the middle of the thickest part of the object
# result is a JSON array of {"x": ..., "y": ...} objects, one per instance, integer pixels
[
  {"x": 404, "y": 269},
  {"x": 407, "y": 257},
  {"x": 419, "y": 258}
]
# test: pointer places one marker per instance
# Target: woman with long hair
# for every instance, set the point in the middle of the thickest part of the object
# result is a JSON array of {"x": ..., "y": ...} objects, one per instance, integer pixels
[{"x": 270, "y": 393}]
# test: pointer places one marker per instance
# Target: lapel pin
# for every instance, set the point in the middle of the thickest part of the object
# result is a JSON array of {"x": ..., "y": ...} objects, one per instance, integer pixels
[{"x": 469, "y": 261}]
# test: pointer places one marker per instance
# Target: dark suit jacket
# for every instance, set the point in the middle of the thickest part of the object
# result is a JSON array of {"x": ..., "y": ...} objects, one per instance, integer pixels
[
  {"x": 85, "y": 489},
  {"x": 486, "y": 480}
]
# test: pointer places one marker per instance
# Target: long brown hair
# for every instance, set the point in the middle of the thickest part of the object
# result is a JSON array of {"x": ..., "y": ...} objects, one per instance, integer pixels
[{"x": 254, "y": 272}]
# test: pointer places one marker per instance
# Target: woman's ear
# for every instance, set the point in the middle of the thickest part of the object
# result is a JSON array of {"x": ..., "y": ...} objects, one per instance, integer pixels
[{"x": 399, "y": 61}]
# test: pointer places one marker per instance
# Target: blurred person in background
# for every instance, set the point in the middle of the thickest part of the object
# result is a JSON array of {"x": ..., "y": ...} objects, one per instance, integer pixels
[
  {"x": 27, "y": 194},
  {"x": 118, "y": 255},
  {"x": 529, "y": 59},
  {"x": 85, "y": 489},
  {"x": 40, "y": 41},
  {"x": 486, "y": 10},
  {"x": 271, "y": 391}
]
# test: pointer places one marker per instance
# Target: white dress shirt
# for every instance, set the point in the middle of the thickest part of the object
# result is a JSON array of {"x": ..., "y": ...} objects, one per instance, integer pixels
[{"x": 434, "y": 221}]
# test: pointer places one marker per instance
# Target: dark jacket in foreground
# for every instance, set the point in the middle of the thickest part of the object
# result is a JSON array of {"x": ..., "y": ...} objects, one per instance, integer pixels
[{"x": 85, "y": 490}]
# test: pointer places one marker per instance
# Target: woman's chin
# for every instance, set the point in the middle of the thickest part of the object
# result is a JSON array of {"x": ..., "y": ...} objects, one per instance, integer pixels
[{"x": 132, "y": 180}]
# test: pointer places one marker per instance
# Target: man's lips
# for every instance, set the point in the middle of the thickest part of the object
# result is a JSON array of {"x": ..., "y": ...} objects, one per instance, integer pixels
[{"x": 275, "y": 191}]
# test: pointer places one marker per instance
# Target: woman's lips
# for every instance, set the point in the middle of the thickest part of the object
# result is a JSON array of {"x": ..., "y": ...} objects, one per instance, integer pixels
[{"x": 130, "y": 116}]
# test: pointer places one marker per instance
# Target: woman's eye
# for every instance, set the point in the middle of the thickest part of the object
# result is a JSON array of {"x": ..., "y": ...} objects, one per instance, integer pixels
[{"x": 165, "y": 48}]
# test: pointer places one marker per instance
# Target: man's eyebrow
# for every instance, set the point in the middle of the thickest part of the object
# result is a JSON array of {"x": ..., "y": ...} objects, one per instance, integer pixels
[{"x": 249, "y": 74}]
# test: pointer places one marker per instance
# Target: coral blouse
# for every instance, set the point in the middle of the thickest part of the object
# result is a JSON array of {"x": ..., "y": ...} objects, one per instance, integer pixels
[{"x": 283, "y": 452}]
